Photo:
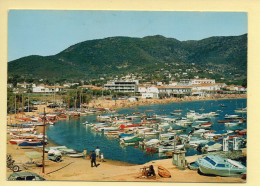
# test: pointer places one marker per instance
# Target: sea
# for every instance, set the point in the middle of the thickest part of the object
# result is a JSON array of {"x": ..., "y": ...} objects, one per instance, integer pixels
[{"x": 73, "y": 134}]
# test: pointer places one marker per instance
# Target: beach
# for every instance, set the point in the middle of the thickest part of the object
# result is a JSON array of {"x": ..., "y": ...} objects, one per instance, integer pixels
[{"x": 80, "y": 169}]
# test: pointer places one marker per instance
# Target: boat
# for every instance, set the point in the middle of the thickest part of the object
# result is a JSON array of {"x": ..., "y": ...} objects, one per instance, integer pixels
[
  {"x": 132, "y": 139},
  {"x": 178, "y": 110},
  {"x": 151, "y": 148},
  {"x": 122, "y": 135},
  {"x": 242, "y": 110},
  {"x": 216, "y": 165},
  {"x": 163, "y": 172},
  {"x": 226, "y": 121},
  {"x": 233, "y": 123},
  {"x": 242, "y": 132},
  {"x": 78, "y": 155},
  {"x": 30, "y": 143},
  {"x": 193, "y": 165},
  {"x": 212, "y": 148},
  {"x": 222, "y": 105},
  {"x": 234, "y": 116},
  {"x": 176, "y": 113},
  {"x": 170, "y": 148}
]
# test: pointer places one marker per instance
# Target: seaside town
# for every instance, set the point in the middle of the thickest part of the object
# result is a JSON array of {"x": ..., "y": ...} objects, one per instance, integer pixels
[{"x": 180, "y": 144}]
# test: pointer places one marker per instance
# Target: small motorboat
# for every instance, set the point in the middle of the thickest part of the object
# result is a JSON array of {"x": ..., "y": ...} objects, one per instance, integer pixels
[
  {"x": 163, "y": 172},
  {"x": 216, "y": 165}
]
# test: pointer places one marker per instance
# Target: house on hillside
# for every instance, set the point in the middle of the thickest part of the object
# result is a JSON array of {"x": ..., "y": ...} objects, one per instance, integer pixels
[
  {"x": 47, "y": 88},
  {"x": 23, "y": 85}
]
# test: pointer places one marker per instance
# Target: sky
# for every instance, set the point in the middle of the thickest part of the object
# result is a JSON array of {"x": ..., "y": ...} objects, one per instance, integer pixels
[{"x": 48, "y": 32}]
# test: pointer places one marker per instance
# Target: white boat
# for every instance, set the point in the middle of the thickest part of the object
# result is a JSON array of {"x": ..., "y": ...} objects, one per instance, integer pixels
[
  {"x": 24, "y": 129},
  {"x": 200, "y": 131},
  {"x": 234, "y": 123},
  {"x": 232, "y": 116},
  {"x": 195, "y": 143},
  {"x": 170, "y": 148},
  {"x": 212, "y": 148},
  {"x": 78, "y": 155}
]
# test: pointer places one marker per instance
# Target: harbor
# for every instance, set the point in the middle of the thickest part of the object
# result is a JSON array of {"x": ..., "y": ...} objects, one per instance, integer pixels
[{"x": 134, "y": 137}]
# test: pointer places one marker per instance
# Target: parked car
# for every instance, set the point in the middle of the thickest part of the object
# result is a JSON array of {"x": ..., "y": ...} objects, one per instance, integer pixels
[{"x": 25, "y": 176}]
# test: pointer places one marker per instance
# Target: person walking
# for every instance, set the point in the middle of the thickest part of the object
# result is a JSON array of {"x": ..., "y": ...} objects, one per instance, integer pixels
[
  {"x": 97, "y": 151},
  {"x": 93, "y": 159}
]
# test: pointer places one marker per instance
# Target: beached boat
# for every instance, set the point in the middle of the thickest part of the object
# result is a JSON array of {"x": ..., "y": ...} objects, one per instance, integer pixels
[
  {"x": 30, "y": 143},
  {"x": 78, "y": 155},
  {"x": 163, "y": 172},
  {"x": 216, "y": 165},
  {"x": 193, "y": 165}
]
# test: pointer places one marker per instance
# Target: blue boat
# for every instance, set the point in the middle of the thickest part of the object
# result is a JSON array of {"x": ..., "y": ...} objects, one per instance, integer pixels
[
  {"x": 30, "y": 143},
  {"x": 216, "y": 165},
  {"x": 122, "y": 135}
]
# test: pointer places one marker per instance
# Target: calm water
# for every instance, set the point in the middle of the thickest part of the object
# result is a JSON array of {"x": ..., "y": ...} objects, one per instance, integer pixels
[{"x": 75, "y": 135}]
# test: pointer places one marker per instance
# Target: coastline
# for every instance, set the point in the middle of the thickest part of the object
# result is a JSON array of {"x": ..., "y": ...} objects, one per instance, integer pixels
[
  {"x": 80, "y": 170},
  {"x": 121, "y": 104}
]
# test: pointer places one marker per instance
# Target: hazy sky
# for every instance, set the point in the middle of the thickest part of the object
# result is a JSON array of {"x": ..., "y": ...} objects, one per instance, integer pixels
[{"x": 44, "y": 32}]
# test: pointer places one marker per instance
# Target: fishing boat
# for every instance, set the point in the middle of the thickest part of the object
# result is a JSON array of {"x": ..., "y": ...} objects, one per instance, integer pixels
[
  {"x": 163, "y": 172},
  {"x": 216, "y": 165}
]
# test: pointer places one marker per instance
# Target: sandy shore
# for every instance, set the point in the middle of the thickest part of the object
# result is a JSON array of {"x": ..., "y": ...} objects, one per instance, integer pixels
[
  {"x": 80, "y": 169},
  {"x": 117, "y": 104}
]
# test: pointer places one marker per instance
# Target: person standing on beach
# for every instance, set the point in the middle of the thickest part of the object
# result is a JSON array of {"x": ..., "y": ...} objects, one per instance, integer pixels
[
  {"x": 93, "y": 159},
  {"x": 97, "y": 151},
  {"x": 85, "y": 153}
]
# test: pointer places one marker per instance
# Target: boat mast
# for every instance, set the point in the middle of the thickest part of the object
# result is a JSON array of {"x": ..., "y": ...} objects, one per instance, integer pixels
[{"x": 43, "y": 146}]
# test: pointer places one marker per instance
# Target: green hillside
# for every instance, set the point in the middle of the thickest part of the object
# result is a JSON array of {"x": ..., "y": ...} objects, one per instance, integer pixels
[{"x": 118, "y": 55}]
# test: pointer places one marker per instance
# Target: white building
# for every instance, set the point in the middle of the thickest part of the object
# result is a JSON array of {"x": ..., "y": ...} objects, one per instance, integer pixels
[
  {"x": 47, "y": 89},
  {"x": 148, "y": 95},
  {"x": 142, "y": 88},
  {"x": 200, "y": 81},
  {"x": 175, "y": 90},
  {"x": 122, "y": 86}
]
